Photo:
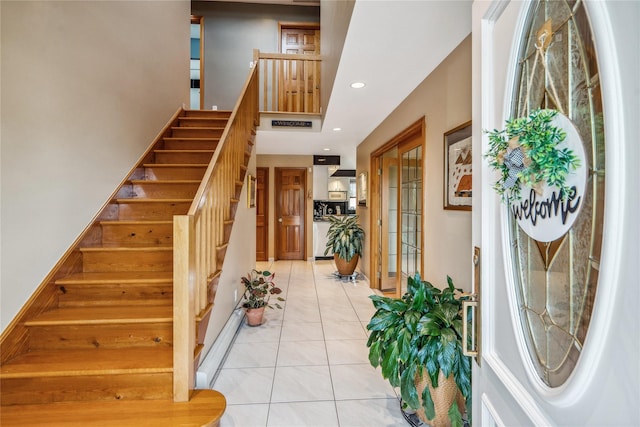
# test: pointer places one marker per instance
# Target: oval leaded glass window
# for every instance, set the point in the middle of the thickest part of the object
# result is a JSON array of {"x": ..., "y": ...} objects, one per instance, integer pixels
[{"x": 556, "y": 281}]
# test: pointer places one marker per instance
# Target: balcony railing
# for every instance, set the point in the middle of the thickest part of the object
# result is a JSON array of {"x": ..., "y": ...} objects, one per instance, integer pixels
[{"x": 288, "y": 83}]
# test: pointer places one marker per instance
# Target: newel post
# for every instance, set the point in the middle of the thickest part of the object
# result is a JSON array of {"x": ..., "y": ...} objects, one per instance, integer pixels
[{"x": 183, "y": 307}]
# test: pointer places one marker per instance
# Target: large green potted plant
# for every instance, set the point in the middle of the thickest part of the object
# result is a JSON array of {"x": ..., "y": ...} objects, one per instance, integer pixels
[
  {"x": 344, "y": 239},
  {"x": 417, "y": 342},
  {"x": 258, "y": 288}
]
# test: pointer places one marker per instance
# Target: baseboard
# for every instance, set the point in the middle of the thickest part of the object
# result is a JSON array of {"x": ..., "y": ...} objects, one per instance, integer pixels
[{"x": 208, "y": 369}]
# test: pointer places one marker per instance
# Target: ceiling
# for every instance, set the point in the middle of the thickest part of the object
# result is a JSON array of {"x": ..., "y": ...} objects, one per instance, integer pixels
[{"x": 391, "y": 46}]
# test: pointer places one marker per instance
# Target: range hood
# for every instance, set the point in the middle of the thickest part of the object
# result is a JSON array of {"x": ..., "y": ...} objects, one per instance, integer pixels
[{"x": 341, "y": 173}]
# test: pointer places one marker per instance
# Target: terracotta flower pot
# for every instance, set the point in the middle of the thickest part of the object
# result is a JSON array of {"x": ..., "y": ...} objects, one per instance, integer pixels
[
  {"x": 346, "y": 268},
  {"x": 254, "y": 316}
]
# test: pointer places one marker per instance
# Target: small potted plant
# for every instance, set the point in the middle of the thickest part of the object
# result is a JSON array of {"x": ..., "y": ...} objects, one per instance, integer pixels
[
  {"x": 417, "y": 342},
  {"x": 259, "y": 287},
  {"x": 345, "y": 239}
]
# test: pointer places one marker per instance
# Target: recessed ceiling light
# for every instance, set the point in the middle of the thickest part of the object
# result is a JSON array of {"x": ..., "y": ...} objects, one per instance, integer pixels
[
  {"x": 326, "y": 149},
  {"x": 357, "y": 85},
  {"x": 337, "y": 129}
]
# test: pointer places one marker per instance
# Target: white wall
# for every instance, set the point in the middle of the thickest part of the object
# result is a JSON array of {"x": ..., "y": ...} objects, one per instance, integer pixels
[
  {"x": 239, "y": 260},
  {"x": 86, "y": 86}
]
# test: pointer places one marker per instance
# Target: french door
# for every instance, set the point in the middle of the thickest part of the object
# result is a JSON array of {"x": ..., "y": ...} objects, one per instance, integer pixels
[{"x": 555, "y": 342}]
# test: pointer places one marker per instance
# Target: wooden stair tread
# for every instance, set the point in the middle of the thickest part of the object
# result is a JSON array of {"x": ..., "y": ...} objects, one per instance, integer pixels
[
  {"x": 205, "y": 408},
  {"x": 165, "y": 181},
  {"x": 191, "y": 138},
  {"x": 149, "y": 200},
  {"x": 97, "y": 361},
  {"x": 103, "y": 315},
  {"x": 135, "y": 222},
  {"x": 112, "y": 277},
  {"x": 197, "y": 128},
  {"x": 126, "y": 248},
  {"x": 184, "y": 151},
  {"x": 175, "y": 165}
]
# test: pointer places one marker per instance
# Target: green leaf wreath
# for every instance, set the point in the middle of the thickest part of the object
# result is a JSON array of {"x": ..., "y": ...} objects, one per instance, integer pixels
[{"x": 526, "y": 152}]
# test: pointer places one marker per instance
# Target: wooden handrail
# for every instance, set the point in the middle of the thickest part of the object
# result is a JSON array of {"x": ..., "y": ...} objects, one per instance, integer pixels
[
  {"x": 199, "y": 236},
  {"x": 289, "y": 82}
]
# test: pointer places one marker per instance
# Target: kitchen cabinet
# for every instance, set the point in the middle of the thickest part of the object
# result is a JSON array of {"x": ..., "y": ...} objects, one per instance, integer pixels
[
  {"x": 320, "y": 177},
  {"x": 320, "y": 230}
]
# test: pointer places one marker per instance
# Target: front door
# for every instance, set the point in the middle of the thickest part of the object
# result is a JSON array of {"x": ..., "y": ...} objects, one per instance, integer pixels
[
  {"x": 290, "y": 213},
  {"x": 558, "y": 338}
]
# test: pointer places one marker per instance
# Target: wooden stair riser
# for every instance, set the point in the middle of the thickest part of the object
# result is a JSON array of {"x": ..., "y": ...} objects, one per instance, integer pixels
[
  {"x": 191, "y": 143},
  {"x": 203, "y": 122},
  {"x": 16, "y": 391},
  {"x": 130, "y": 260},
  {"x": 164, "y": 189},
  {"x": 208, "y": 113},
  {"x": 151, "y": 210},
  {"x": 169, "y": 172},
  {"x": 82, "y": 295},
  {"x": 65, "y": 337},
  {"x": 182, "y": 157},
  {"x": 129, "y": 234},
  {"x": 193, "y": 132}
]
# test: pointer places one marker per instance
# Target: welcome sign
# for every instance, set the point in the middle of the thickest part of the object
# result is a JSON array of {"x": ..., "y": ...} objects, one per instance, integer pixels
[{"x": 542, "y": 213}]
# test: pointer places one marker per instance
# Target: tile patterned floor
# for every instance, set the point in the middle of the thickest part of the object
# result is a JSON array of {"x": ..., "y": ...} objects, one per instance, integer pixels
[{"x": 307, "y": 364}]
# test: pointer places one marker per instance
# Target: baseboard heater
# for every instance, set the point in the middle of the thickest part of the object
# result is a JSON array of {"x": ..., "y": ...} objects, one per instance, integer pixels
[{"x": 209, "y": 368}]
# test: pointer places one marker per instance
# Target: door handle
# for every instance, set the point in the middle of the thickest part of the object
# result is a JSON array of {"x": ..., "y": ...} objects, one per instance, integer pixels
[
  {"x": 473, "y": 352},
  {"x": 280, "y": 220},
  {"x": 476, "y": 328}
]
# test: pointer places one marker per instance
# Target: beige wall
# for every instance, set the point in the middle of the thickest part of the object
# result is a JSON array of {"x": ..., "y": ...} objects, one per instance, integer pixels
[
  {"x": 444, "y": 99},
  {"x": 86, "y": 86},
  {"x": 277, "y": 161}
]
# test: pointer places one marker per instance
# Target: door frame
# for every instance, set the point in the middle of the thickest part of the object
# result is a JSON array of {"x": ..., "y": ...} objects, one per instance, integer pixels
[
  {"x": 197, "y": 19},
  {"x": 277, "y": 188},
  {"x": 265, "y": 183},
  {"x": 298, "y": 25},
  {"x": 416, "y": 129}
]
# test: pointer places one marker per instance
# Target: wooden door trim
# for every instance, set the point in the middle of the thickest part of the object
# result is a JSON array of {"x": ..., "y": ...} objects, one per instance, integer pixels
[
  {"x": 266, "y": 209},
  {"x": 416, "y": 129},
  {"x": 300, "y": 25},
  {"x": 277, "y": 190}
]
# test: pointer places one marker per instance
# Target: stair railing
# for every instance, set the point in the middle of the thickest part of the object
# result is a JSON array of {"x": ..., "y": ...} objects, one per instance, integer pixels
[
  {"x": 289, "y": 83},
  {"x": 200, "y": 236}
]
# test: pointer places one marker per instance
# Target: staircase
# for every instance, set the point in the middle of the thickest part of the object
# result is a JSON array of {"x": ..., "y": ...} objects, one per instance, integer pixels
[{"x": 94, "y": 345}]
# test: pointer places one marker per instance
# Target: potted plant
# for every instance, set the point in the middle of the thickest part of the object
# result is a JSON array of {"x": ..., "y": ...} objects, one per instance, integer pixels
[
  {"x": 417, "y": 341},
  {"x": 258, "y": 288},
  {"x": 345, "y": 239},
  {"x": 526, "y": 152}
]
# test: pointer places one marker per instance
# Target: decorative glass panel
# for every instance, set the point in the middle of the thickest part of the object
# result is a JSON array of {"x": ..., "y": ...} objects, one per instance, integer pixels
[{"x": 556, "y": 281}]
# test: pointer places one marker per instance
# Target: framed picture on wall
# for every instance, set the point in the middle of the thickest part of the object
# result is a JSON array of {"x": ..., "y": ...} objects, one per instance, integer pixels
[
  {"x": 457, "y": 168},
  {"x": 251, "y": 191}
]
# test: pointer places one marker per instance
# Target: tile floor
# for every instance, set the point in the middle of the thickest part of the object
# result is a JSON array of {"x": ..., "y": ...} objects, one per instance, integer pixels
[{"x": 307, "y": 365}]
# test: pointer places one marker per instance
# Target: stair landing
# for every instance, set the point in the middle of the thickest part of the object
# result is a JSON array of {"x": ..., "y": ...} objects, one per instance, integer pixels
[{"x": 204, "y": 409}]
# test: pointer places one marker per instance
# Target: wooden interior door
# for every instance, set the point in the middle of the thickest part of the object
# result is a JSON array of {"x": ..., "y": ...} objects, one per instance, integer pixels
[
  {"x": 299, "y": 77},
  {"x": 290, "y": 213},
  {"x": 389, "y": 179},
  {"x": 262, "y": 214}
]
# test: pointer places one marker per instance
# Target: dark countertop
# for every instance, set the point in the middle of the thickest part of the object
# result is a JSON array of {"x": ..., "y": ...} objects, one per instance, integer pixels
[{"x": 326, "y": 217}]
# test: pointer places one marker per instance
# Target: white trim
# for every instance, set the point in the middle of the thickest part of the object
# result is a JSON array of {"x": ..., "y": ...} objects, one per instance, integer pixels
[{"x": 490, "y": 417}]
